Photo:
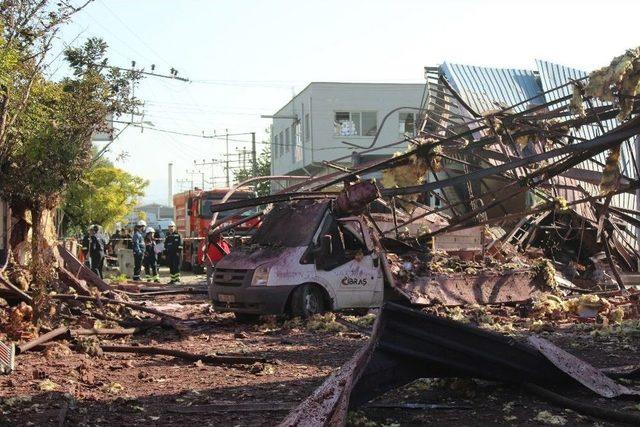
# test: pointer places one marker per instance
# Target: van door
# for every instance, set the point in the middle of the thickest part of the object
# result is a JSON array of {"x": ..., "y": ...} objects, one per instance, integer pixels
[{"x": 352, "y": 266}]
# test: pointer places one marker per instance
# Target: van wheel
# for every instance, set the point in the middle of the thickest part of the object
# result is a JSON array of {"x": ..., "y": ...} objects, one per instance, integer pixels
[
  {"x": 306, "y": 301},
  {"x": 247, "y": 318}
]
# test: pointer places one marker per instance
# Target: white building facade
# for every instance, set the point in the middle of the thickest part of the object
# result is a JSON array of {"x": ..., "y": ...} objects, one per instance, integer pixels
[{"x": 329, "y": 121}]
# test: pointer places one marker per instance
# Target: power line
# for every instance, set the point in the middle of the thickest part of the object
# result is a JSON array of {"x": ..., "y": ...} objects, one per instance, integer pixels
[
  {"x": 134, "y": 33},
  {"x": 203, "y": 136}
]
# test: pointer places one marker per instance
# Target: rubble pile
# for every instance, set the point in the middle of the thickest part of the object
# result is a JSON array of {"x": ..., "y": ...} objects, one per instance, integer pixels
[{"x": 407, "y": 267}]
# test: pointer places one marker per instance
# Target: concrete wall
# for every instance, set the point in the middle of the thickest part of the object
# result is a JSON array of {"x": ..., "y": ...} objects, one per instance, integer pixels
[{"x": 315, "y": 107}]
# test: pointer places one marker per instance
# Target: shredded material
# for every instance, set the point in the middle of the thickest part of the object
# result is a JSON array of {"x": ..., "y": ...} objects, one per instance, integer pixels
[
  {"x": 414, "y": 172},
  {"x": 611, "y": 173},
  {"x": 618, "y": 83}
]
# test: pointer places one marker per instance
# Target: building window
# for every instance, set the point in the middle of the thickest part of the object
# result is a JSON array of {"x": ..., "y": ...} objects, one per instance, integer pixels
[
  {"x": 307, "y": 127},
  {"x": 274, "y": 145},
  {"x": 287, "y": 140},
  {"x": 296, "y": 142},
  {"x": 294, "y": 131},
  {"x": 355, "y": 123},
  {"x": 407, "y": 123}
]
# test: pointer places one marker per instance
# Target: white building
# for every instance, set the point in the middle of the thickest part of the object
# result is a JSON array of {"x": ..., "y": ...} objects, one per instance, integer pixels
[{"x": 320, "y": 122}]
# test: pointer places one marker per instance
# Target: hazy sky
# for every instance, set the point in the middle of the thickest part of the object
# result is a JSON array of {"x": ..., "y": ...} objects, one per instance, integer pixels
[{"x": 247, "y": 58}]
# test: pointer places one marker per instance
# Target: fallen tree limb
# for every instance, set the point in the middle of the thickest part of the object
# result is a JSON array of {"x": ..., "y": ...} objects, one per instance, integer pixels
[
  {"x": 70, "y": 280},
  {"x": 97, "y": 331},
  {"x": 19, "y": 292},
  {"x": 170, "y": 292},
  {"x": 232, "y": 407},
  {"x": 62, "y": 330},
  {"x": 113, "y": 301},
  {"x": 583, "y": 408},
  {"x": 191, "y": 357},
  {"x": 626, "y": 371},
  {"x": 353, "y": 326},
  {"x": 71, "y": 264}
]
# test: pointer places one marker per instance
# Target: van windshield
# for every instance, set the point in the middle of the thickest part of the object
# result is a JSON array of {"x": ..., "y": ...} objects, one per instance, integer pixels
[{"x": 290, "y": 225}]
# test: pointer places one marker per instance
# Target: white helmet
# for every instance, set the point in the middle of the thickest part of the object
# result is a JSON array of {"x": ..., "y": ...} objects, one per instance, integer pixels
[
  {"x": 149, "y": 230},
  {"x": 142, "y": 223},
  {"x": 172, "y": 224}
]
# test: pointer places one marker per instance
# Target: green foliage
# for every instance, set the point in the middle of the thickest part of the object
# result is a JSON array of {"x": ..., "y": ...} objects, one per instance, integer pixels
[
  {"x": 48, "y": 145},
  {"x": 263, "y": 169},
  {"x": 118, "y": 279},
  {"x": 104, "y": 195}
]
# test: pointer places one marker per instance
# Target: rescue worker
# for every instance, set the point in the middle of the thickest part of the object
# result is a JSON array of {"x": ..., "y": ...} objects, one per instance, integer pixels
[
  {"x": 173, "y": 249},
  {"x": 137, "y": 244},
  {"x": 86, "y": 240},
  {"x": 116, "y": 241},
  {"x": 150, "y": 256},
  {"x": 97, "y": 247}
]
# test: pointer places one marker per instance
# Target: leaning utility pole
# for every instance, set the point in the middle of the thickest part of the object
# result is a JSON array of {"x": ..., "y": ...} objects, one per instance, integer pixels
[{"x": 254, "y": 163}]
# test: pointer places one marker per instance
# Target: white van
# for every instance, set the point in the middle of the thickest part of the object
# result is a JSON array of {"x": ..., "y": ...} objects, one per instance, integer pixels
[{"x": 302, "y": 260}]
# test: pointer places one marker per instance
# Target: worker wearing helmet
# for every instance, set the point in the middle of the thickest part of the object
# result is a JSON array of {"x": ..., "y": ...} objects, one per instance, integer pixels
[
  {"x": 173, "y": 248},
  {"x": 137, "y": 244},
  {"x": 97, "y": 247},
  {"x": 150, "y": 260}
]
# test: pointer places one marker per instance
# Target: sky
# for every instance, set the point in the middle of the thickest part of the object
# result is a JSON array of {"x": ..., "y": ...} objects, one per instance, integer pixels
[{"x": 247, "y": 58}]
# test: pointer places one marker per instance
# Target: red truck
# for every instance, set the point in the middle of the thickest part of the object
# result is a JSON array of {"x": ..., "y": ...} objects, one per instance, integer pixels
[{"x": 193, "y": 218}]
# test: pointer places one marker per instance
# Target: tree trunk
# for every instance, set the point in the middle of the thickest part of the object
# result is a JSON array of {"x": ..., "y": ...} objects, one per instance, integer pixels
[
  {"x": 43, "y": 244},
  {"x": 36, "y": 233}
]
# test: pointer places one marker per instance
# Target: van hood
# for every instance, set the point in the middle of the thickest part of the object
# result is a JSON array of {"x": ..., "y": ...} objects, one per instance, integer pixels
[{"x": 251, "y": 257}]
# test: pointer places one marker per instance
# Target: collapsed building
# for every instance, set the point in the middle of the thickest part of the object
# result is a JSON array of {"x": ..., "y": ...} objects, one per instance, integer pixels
[
  {"x": 535, "y": 172},
  {"x": 516, "y": 170}
]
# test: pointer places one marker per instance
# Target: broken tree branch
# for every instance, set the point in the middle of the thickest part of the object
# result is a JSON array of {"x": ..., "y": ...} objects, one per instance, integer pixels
[
  {"x": 96, "y": 331},
  {"x": 138, "y": 307},
  {"x": 583, "y": 408},
  {"x": 70, "y": 280},
  {"x": 191, "y": 357},
  {"x": 25, "y": 297},
  {"x": 62, "y": 330}
]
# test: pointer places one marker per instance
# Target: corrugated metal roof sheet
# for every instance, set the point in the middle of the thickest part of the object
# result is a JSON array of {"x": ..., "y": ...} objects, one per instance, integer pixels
[
  {"x": 554, "y": 75},
  {"x": 485, "y": 88}
]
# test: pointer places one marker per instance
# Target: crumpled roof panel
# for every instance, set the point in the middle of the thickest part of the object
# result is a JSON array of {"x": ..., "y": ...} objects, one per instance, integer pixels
[{"x": 485, "y": 88}]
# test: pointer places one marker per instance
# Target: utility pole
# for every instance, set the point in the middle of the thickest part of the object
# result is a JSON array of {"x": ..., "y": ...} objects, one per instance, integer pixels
[
  {"x": 170, "y": 195},
  {"x": 197, "y": 173},
  {"x": 212, "y": 163},
  {"x": 228, "y": 176},
  {"x": 254, "y": 162},
  {"x": 185, "y": 181}
]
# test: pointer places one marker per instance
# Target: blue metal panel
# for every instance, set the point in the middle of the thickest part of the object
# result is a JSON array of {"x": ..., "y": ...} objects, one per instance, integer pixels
[{"x": 487, "y": 89}]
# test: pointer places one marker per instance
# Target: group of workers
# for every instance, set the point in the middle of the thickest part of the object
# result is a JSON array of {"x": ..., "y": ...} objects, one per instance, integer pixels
[{"x": 147, "y": 244}]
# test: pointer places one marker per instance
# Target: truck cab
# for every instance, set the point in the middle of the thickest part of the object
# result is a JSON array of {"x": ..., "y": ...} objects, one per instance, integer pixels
[
  {"x": 302, "y": 260},
  {"x": 193, "y": 219}
]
